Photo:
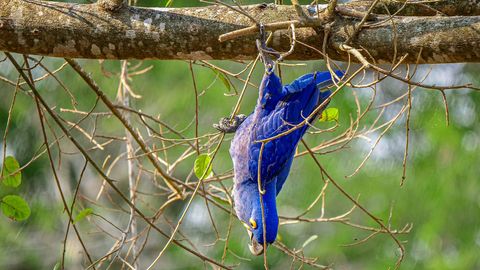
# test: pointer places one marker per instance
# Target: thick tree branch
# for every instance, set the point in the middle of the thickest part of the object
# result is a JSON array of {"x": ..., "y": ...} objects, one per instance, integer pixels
[
  {"x": 91, "y": 31},
  {"x": 111, "y": 5},
  {"x": 423, "y": 8}
]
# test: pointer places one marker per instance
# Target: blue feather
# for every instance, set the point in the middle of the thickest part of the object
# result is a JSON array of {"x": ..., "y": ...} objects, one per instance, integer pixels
[{"x": 279, "y": 109}]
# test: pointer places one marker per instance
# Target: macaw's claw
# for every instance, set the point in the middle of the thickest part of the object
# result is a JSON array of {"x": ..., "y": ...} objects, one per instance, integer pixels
[
  {"x": 230, "y": 126},
  {"x": 266, "y": 53}
]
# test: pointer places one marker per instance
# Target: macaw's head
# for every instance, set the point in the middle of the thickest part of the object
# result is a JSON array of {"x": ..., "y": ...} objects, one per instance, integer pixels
[{"x": 254, "y": 220}]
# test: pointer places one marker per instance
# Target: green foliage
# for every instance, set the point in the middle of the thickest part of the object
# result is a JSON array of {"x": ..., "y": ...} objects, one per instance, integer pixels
[
  {"x": 224, "y": 80},
  {"x": 442, "y": 177},
  {"x": 12, "y": 177},
  {"x": 221, "y": 201},
  {"x": 329, "y": 115},
  {"x": 15, "y": 207},
  {"x": 83, "y": 214},
  {"x": 440, "y": 194},
  {"x": 203, "y": 166}
]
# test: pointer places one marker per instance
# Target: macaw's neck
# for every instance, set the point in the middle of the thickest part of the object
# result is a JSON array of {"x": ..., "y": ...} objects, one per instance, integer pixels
[
  {"x": 270, "y": 213},
  {"x": 270, "y": 92}
]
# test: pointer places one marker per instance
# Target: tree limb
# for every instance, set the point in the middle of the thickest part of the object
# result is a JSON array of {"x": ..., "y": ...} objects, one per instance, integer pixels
[
  {"x": 422, "y": 8},
  {"x": 91, "y": 31}
]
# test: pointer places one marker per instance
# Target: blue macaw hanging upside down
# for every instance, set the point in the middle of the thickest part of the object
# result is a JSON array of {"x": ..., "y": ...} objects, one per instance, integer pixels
[{"x": 279, "y": 108}]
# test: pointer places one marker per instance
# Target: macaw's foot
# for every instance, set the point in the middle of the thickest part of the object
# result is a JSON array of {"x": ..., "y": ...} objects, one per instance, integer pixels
[
  {"x": 266, "y": 53},
  {"x": 227, "y": 126}
]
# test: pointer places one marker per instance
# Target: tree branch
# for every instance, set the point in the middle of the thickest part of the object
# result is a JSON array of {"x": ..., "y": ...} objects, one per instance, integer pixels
[
  {"x": 91, "y": 31},
  {"x": 422, "y": 8},
  {"x": 111, "y": 5}
]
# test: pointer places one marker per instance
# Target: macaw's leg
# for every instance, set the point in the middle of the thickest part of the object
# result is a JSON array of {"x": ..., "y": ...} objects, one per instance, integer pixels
[
  {"x": 264, "y": 50},
  {"x": 228, "y": 125}
]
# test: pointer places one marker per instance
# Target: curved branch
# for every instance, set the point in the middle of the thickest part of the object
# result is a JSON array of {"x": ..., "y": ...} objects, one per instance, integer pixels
[{"x": 91, "y": 31}]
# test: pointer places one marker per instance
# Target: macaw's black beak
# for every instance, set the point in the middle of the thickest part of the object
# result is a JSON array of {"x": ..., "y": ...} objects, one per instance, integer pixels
[{"x": 255, "y": 247}]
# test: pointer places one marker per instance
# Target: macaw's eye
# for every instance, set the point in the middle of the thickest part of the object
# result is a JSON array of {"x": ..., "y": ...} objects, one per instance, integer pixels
[{"x": 253, "y": 223}]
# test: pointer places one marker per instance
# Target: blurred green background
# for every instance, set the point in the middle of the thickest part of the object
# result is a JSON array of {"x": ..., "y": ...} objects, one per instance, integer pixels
[{"x": 441, "y": 194}]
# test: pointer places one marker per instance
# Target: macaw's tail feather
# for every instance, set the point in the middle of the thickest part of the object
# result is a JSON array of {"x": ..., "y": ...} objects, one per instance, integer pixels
[
  {"x": 325, "y": 80},
  {"x": 321, "y": 79},
  {"x": 304, "y": 95}
]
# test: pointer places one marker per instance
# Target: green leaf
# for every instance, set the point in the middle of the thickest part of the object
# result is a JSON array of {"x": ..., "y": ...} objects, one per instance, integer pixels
[
  {"x": 329, "y": 115},
  {"x": 220, "y": 200},
  {"x": 200, "y": 166},
  {"x": 279, "y": 237},
  {"x": 10, "y": 165},
  {"x": 224, "y": 80},
  {"x": 83, "y": 214},
  {"x": 15, "y": 207},
  {"x": 57, "y": 266}
]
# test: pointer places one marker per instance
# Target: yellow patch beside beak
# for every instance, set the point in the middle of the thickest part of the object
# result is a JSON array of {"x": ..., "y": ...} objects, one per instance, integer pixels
[{"x": 253, "y": 223}]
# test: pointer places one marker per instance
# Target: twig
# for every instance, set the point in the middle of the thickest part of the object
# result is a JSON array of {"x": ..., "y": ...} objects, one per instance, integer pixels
[
  {"x": 375, "y": 219},
  {"x": 188, "y": 205},
  {"x": 360, "y": 24},
  {"x": 99, "y": 170},
  {"x": 169, "y": 180}
]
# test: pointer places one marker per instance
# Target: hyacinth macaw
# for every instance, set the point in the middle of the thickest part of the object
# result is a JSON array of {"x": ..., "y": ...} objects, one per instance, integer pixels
[{"x": 278, "y": 109}]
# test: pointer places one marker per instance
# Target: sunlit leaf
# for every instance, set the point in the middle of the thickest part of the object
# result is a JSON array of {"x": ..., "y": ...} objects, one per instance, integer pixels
[
  {"x": 279, "y": 238},
  {"x": 15, "y": 207},
  {"x": 224, "y": 80},
  {"x": 10, "y": 165},
  {"x": 83, "y": 214},
  {"x": 328, "y": 115},
  {"x": 201, "y": 168}
]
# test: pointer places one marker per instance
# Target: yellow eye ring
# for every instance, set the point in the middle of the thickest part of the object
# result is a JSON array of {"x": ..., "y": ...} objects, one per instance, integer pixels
[{"x": 253, "y": 223}]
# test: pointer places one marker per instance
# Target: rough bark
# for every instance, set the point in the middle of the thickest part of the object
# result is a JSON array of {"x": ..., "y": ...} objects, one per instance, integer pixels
[
  {"x": 91, "y": 31},
  {"x": 423, "y": 8}
]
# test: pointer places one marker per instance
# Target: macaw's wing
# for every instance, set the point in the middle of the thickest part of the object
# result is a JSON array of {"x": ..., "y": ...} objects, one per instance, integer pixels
[
  {"x": 276, "y": 152},
  {"x": 282, "y": 176},
  {"x": 299, "y": 100}
]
